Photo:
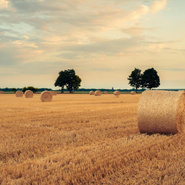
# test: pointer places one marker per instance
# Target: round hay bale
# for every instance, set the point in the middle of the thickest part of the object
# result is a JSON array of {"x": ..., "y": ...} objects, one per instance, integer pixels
[
  {"x": 46, "y": 96},
  {"x": 106, "y": 92},
  {"x": 19, "y": 94},
  {"x": 1, "y": 92},
  {"x": 98, "y": 93},
  {"x": 91, "y": 92},
  {"x": 161, "y": 112},
  {"x": 132, "y": 92},
  {"x": 117, "y": 93},
  {"x": 29, "y": 94}
]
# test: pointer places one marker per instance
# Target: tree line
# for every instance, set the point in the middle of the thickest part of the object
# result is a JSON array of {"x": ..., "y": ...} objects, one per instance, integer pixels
[
  {"x": 148, "y": 79},
  {"x": 68, "y": 78}
]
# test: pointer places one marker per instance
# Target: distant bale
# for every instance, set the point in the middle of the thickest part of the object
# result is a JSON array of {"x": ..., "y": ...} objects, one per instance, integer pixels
[
  {"x": 133, "y": 93},
  {"x": 91, "y": 92},
  {"x": 46, "y": 96},
  {"x": 1, "y": 92},
  {"x": 106, "y": 92},
  {"x": 29, "y": 94},
  {"x": 54, "y": 93},
  {"x": 98, "y": 93},
  {"x": 19, "y": 94},
  {"x": 161, "y": 112},
  {"x": 117, "y": 93}
]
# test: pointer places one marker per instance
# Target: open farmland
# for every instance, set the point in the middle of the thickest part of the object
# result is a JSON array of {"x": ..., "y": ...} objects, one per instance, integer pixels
[{"x": 83, "y": 139}]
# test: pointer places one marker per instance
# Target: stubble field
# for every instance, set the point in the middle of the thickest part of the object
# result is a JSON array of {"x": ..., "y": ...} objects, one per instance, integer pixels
[{"x": 83, "y": 139}]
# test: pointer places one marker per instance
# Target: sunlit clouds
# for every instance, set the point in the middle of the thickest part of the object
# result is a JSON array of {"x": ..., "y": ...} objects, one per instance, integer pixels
[{"x": 102, "y": 40}]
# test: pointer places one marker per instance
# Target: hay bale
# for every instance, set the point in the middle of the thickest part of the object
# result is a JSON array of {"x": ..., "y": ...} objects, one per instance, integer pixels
[
  {"x": 46, "y": 96},
  {"x": 91, "y": 92},
  {"x": 161, "y": 112},
  {"x": 106, "y": 92},
  {"x": 29, "y": 94},
  {"x": 133, "y": 93},
  {"x": 19, "y": 94},
  {"x": 1, "y": 92},
  {"x": 98, "y": 93},
  {"x": 117, "y": 93}
]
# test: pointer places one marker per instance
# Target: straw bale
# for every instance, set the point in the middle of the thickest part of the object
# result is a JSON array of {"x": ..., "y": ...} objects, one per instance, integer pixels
[
  {"x": 29, "y": 94},
  {"x": 98, "y": 93},
  {"x": 106, "y": 92},
  {"x": 133, "y": 93},
  {"x": 91, "y": 92},
  {"x": 46, "y": 96},
  {"x": 161, "y": 112},
  {"x": 1, "y": 92},
  {"x": 19, "y": 94},
  {"x": 117, "y": 93}
]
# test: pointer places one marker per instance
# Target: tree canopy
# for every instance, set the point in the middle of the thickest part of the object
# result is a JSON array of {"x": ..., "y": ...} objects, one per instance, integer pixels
[
  {"x": 33, "y": 89},
  {"x": 149, "y": 78},
  {"x": 69, "y": 79},
  {"x": 135, "y": 78}
]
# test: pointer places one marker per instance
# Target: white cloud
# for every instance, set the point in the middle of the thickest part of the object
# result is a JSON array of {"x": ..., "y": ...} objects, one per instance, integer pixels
[
  {"x": 158, "y": 5},
  {"x": 3, "y": 4}
]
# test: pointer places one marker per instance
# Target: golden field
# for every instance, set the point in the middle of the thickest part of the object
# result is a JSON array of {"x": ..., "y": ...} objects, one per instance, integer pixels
[{"x": 83, "y": 139}]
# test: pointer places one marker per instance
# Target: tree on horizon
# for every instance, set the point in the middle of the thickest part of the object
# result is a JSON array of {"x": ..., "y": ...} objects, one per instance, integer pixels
[
  {"x": 69, "y": 79},
  {"x": 135, "y": 78},
  {"x": 150, "y": 79}
]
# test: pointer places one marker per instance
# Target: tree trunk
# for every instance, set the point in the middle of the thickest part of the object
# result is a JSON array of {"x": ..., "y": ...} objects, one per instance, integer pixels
[
  {"x": 62, "y": 89},
  {"x": 136, "y": 89}
]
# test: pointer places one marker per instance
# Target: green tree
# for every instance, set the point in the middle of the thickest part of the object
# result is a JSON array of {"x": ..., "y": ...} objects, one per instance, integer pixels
[
  {"x": 33, "y": 89},
  {"x": 135, "y": 78},
  {"x": 150, "y": 79},
  {"x": 69, "y": 79},
  {"x": 77, "y": 82},
  {"x": 14, "y": 90},
  {"x": 61, "y": 81}
]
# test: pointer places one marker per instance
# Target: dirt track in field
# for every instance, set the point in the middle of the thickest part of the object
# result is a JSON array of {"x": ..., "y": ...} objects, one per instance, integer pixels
[{"x": 83, "y": 139}]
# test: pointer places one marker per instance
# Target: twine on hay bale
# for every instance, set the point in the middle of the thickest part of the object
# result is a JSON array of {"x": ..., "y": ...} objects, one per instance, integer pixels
[
  {"x": 19, "y": 94},
  {"x": 161, "y": 112},
  {"x": 117, "y": 93},
  {"x": 133, "y": 93},
  {"x": 46, "y": 96},
  {"x": 106, "y": 92},
  {"x": 98, "y": 93},
  {"x": 91, "y": 92},
  {"x": 29, "y": 94}
]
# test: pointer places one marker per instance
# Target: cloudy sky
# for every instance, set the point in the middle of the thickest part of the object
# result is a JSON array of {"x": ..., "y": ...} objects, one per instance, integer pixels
[{"x": 103, "y": 40}]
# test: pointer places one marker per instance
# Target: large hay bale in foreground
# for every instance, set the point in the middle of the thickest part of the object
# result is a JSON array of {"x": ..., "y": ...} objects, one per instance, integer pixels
[
  {"x": 98, "y": 93},
  {"x": 133, "y": 93},
  {"x": 46, "y": 96},
  {"x": 29, "y": 94},
  {"x": 19, "y": 94},
  {"x": 91, "y": 92},
  {"x": 117, "y": 93},
  {"x": 161, "y": 112}
]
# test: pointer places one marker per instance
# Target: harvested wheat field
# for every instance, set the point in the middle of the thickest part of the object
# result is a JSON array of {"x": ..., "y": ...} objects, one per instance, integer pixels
[{"x": 82, "y": 139}]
